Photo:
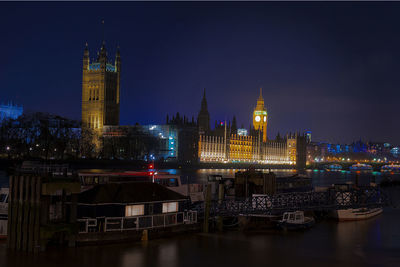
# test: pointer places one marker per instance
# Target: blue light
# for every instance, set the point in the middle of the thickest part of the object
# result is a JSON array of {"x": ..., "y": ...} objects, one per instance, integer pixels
[
  {"x": 110, "y": 67},
  {"x": 94, "y": 66}
]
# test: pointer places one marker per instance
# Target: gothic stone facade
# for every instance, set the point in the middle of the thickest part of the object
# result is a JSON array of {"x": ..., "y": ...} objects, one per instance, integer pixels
[{"x": 100, "y": 90}]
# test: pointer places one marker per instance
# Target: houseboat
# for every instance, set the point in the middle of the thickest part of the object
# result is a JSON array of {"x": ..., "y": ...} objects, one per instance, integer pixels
[
  {"x": 4, "y": 195},
  {"x": 173, "y": 182},
  {"x": 121, "y": 211},
  {"x": 295, "y": 221}
]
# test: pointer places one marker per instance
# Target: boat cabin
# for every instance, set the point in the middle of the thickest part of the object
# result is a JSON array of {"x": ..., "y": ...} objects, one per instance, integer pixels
[
  {"x": 131, "y": 206},
  {"x": 293, "y": 217}
]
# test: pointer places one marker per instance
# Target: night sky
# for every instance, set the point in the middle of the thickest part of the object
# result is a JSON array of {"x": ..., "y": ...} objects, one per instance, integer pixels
[{"x": 332, "y": 68}]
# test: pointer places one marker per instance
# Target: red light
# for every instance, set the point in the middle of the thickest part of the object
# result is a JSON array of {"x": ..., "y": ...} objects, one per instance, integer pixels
[
  {"x": 150, "y": 173},
  {"x": 150, "y": 166}
]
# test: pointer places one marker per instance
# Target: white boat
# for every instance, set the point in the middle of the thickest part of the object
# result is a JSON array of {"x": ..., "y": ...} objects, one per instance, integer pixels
[
  {"x": 4, "y": 195},
  {"x": 295, "y": 221},
  {"x": 357, "y": 214}
]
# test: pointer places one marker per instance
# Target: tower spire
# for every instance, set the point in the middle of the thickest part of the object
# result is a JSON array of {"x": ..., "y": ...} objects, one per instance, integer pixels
[
  {"x": 102, "y": 29},
  {"x": 203, "y": 118},
  {"x": 260, "y": 97}
]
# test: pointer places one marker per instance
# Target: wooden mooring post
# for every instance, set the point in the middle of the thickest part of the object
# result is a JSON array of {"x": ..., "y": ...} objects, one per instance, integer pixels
[
  {"x": 24, "y": 213},
  {"x": 207, "y": 206},
  {"x": 33, "y": 219},
  {"x": 220, "y": 222}
]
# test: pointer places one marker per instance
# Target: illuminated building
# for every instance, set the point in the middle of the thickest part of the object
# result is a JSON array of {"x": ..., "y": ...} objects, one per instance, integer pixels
[
  {"x": 240, "y": 147},
  {"x": 260, "y": 117},
  {"x": 10, "y": 111},
  {"x": 244, "y": 149},
  {"x": 100, "y": 90},
  {"x": 212, "y": 149}
]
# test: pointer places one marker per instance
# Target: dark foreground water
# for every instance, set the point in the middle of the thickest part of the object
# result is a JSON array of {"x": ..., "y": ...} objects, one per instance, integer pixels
[{"x": 375, "y": 242}]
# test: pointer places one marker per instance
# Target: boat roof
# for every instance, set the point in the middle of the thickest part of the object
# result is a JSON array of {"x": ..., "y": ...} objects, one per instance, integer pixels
[{"x": 128, "y": 193}]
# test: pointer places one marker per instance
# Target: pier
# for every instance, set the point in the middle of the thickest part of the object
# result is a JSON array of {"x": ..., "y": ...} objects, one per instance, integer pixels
[{"x": 334, "y": 199}]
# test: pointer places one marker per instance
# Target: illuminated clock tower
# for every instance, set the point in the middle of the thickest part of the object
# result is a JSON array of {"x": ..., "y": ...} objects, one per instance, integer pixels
[{"x": 260, "y": 117}]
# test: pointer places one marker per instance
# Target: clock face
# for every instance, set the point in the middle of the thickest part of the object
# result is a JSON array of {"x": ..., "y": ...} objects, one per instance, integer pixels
[
  {"x": 265, "y": 118},
  {"x": 257, "y": 118}
]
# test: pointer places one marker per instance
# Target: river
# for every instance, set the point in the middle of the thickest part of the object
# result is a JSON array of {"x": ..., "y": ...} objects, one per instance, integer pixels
[{"x": 375, "y": 242}]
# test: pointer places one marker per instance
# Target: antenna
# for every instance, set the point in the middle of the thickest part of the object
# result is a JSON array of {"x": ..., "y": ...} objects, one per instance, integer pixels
[{"x": 102, "y": 23}]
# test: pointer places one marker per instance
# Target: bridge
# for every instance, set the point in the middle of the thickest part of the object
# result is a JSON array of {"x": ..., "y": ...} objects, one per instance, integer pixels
[{"x": 366, "y": 197}]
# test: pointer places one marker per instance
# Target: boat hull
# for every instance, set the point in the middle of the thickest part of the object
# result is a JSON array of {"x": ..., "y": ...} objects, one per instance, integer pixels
[
  {"x": 356, "y": 214},
  {"x": 308, "y": 223}
]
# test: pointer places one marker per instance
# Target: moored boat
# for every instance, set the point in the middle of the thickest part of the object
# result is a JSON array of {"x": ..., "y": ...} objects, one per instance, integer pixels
[
  {"x": 333, "y": 167},
  {"x": 390, "y": 168},
  {"x": 295, "y": 221},
  {"x": 360, "y": 167},
  {"x": 357, "y": 214}
]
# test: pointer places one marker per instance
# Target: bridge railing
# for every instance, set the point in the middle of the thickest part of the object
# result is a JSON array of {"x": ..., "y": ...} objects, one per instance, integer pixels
[{"x": 279, "y": 203}]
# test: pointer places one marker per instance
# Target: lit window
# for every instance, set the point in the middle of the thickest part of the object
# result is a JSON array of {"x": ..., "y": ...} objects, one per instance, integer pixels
[
  {"x": 170, "y": 207},
  {"x": 134, "y": 210}
]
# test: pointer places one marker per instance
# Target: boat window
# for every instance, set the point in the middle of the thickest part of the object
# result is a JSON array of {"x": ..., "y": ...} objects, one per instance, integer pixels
[
  {"x": 291, "y": 217},
  {"x": 285, "y": 216},
  {"x": 2, "y": 197},
  {"x": 298, "y": 217},
  {"x": 134, "y": 210},
  {"x": 170, "y": 207}
]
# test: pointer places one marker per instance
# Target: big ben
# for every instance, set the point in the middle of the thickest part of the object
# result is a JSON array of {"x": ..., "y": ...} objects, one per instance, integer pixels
[{"x": 260, "y": 117}]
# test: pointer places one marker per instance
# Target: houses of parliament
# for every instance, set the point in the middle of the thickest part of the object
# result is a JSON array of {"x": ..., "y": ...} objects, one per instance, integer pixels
[
  {"x": 227, "y": 144},
  {"x": 224, "y": 144}
]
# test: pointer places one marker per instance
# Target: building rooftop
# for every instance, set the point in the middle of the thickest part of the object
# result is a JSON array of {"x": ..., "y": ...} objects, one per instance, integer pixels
[{"x": 128, "y": 193}]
